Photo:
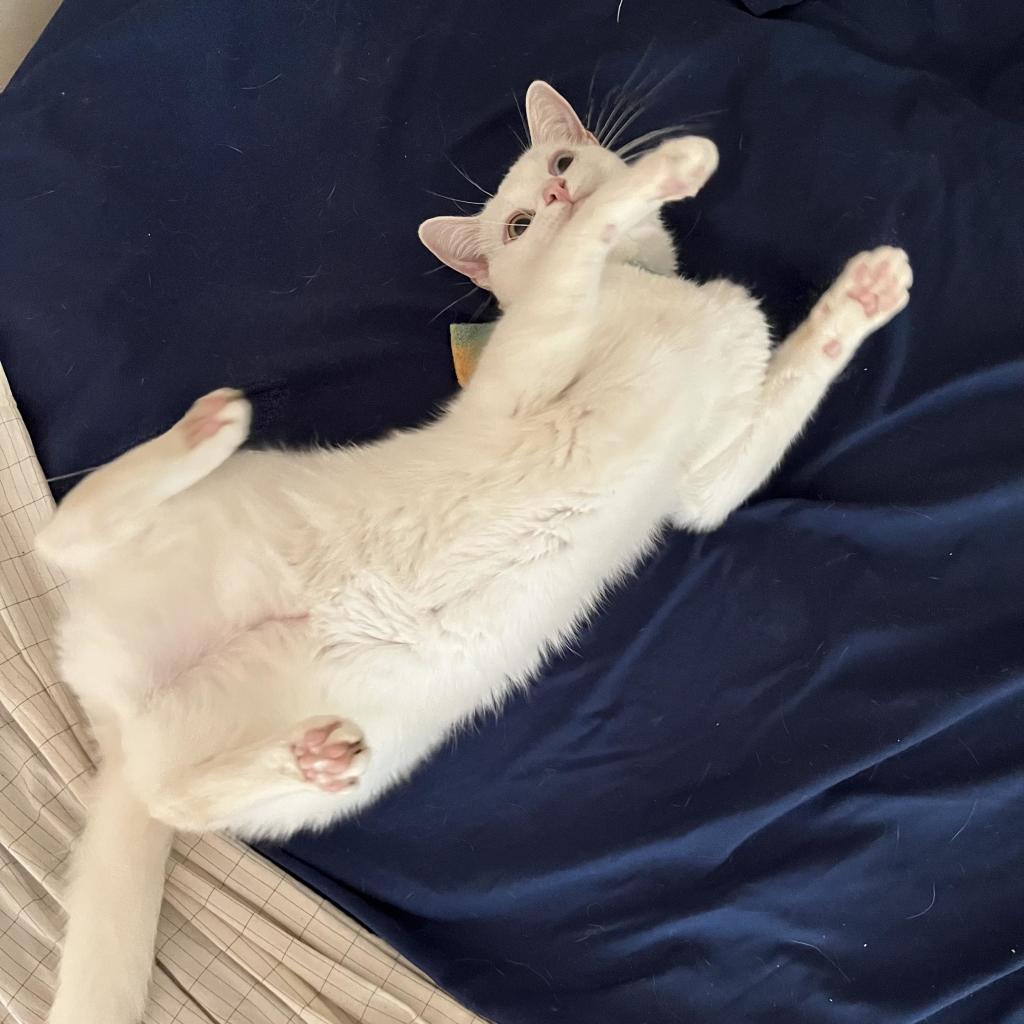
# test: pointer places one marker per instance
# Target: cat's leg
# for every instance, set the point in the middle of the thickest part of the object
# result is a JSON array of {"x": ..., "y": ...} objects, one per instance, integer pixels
[
  {"x": 539, "y": 345},
  {"x": 870, "y": 291},
  {"x": 325, "y": 754},
  {"x": 109, "y": 506}
]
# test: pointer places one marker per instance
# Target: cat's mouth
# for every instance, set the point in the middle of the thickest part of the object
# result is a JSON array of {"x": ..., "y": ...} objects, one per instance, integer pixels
[{"x": 577, "y": 201}]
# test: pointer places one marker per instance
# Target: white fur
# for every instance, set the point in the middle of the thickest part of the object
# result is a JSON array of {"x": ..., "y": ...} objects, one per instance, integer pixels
[{"x": 223, "y": 601}]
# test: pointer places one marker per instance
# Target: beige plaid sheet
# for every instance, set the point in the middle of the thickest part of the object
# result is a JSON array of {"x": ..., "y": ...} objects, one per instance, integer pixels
[{"x": 239, "y": 941}]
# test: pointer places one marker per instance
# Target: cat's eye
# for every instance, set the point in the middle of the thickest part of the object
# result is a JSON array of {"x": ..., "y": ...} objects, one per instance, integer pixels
[
  {"x": 517, "y": 225},
  {"x": 560, "y": 163}
]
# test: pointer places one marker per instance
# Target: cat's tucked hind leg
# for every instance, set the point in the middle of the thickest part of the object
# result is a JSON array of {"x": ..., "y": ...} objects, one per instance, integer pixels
[
  {"x": 212, "y": 430},
  {"x": 109, "y": 507},
  {"x": 873, "y": 287},
  {"x": 325, "y": 754},
  {"x": 331, "y": 755}
]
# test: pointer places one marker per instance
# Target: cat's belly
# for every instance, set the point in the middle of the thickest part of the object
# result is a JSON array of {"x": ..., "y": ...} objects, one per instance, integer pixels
[
  {"x": 489, "y": 603},
  {"x": 124, "y": 664},
  {"x": 159, "y": 611}
]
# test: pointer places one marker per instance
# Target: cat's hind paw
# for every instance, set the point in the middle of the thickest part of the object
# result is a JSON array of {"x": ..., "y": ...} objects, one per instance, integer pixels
[
  {"x": 330, "y": 753},
  {"x": 873, "y": 287},
  {"x": 221, "y": 418},
  {"x": 879, "y": 282}
]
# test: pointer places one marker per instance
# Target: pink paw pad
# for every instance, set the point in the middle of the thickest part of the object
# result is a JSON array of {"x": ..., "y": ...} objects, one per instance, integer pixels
[
  {"x": 832, "y": 348},
  {"x": 675, "y": 188},
  {"x": 204, "y": 419},
  {"x": 328, "y": 756},
  {"x": 874, "y": 288}
]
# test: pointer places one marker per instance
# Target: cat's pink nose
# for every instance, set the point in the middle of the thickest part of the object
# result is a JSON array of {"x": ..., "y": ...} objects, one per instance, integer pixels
[{"x": 555, "y": 191}]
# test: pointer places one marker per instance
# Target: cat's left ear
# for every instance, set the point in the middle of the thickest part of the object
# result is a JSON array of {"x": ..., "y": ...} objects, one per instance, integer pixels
[
  {"x": 552, "y": 119},
  {"x": 456, "y": 241}
]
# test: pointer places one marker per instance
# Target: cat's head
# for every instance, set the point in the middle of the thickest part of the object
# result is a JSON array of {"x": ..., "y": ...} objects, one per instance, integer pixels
[{"x": 564, "y": 163}]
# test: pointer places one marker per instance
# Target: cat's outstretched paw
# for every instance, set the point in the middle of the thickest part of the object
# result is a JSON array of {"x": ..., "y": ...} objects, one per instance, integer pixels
[
  {"x": 879, "y": 282},
  {"x": 873, "y": 287},
  {"x": 221, "y": 417},
  {"x": 330, "y": 753},
  {"x": 679, "y": 168},
  {"x": 676, "y": 169}
]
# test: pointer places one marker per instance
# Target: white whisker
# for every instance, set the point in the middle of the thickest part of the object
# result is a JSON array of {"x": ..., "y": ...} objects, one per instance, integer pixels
[
  {"x": 603, "y": 122},
  {"x": 487, "y": 220},
  {"x": 526, "y": 127},
  {"x": 687, "y": 126},
  {"x": 639, "y": 66},
  {"x": 458, "y": 202},
  {"x": 590, "y": 94},
  {"x": 640, "y": 154},
  {"x": 603, "y": 114},
  {"x": 642, "y": 140},
  {"x": 624, "y": 94},
  {"x": 646, "y": 92},
  {"x": 594, "y": 128},
  {"x": 637, "y": 111},
  {"x": 624, "y": 101},
  {"x": 454, "y": 302},
  {"x": 475, "y": 184},
  {"x": 483, "y": 305},
  {"x": 642, "y": 92},
  {"x": 627, "y": 110},
  {"x": 68, "y": 476}
]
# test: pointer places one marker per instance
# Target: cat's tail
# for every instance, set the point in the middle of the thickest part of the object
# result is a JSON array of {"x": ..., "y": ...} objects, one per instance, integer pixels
[{"x": 113, "y": 903}]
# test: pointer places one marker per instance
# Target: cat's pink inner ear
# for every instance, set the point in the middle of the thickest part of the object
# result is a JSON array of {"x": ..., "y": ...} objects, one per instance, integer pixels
[
  {"x": 551, "y": 118},
  {"x": 456, "y": 242}
]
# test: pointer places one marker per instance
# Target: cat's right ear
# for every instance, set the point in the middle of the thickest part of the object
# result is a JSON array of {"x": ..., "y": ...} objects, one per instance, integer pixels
[{"x": 456, "y": 241}]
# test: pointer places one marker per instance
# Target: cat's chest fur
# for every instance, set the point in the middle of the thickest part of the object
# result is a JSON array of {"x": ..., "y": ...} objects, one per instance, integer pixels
[
  {"x": 676, "y": 348},
  {"x": 551, "y": 489}
]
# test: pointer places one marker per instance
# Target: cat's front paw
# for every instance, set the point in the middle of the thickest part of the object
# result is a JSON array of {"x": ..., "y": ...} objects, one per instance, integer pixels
[
  {"x": 330, "y": 753},
  {"x": 678, "y": 168}
]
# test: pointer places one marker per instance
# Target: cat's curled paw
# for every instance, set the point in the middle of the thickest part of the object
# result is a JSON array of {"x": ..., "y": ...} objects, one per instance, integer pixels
[
  {"x": 330, "y": 753},
  {"x": 220, "y": 418},
  {"x": 679, "y": 168}
]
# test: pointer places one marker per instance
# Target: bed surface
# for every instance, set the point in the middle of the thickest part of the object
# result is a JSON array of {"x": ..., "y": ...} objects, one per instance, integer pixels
[{"x": 780, "y": 777}]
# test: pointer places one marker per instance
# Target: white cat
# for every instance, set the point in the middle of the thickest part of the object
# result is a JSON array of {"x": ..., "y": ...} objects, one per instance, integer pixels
[{"x": 267, "y": 641}]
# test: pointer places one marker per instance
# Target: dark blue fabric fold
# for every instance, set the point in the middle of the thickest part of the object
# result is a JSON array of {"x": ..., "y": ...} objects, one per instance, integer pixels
[
  {"x": 768, "y": 6},
  {"x": 779, "y": 779}
]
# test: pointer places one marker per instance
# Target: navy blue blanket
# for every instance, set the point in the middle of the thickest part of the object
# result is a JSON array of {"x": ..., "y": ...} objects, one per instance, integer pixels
[{"x": 780, "y": 779}]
